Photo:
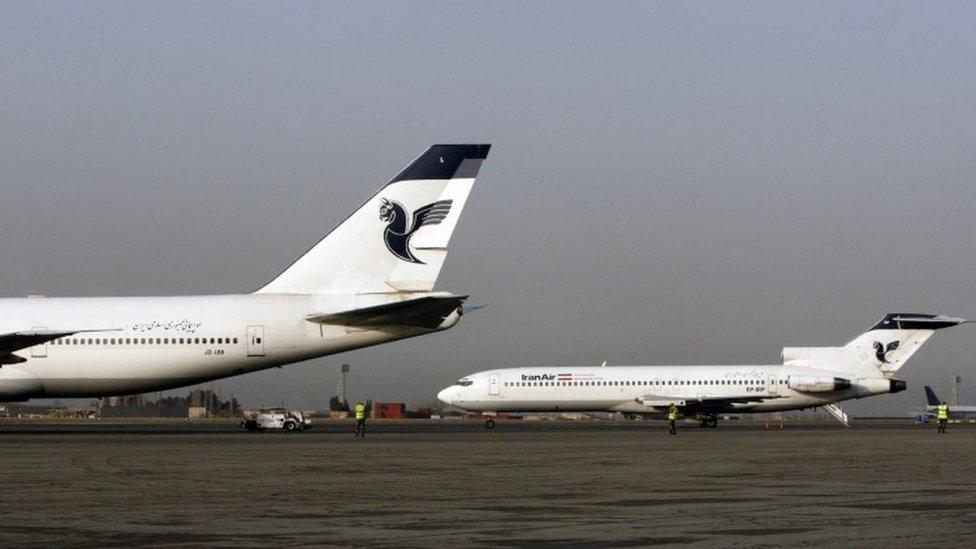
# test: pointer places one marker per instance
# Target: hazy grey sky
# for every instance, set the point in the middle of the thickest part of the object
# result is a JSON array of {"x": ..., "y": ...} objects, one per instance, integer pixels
[{"x": 669, "y": 183}]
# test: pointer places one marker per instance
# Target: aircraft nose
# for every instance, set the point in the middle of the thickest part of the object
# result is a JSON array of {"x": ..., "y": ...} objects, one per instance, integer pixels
[{"x": 445, "y": 397}]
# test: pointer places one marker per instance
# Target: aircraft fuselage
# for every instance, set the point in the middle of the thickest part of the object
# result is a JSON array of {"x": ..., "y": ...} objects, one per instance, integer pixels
[{"x": 156, "y": 343}]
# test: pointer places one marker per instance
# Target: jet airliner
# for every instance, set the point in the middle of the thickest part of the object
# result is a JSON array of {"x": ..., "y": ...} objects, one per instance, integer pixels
[
  {"x": 369, "y": 281},
  {"x": 957, "y": 411},
  {"x": 809, "y": 377}
]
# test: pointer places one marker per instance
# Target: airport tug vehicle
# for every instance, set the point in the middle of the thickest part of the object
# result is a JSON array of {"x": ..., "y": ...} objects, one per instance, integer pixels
[{"x": 277, "y": 419}]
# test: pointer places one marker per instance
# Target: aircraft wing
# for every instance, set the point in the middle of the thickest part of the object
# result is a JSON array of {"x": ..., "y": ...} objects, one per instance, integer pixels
[
  {"x": 425, "y": 312},
  {"x": 701, "y": 401},
  {"x": 15, "y": 341}
]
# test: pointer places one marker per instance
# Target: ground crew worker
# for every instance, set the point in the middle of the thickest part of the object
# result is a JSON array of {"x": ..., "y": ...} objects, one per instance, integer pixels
[
  {"x": 360, "y": 420},
  {"x": 672, "y": 418},
  {"x": 943, "y": 416}
]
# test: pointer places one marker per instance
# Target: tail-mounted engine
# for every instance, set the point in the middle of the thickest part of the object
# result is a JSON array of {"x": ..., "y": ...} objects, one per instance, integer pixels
[{"x": 811, "y": 384}]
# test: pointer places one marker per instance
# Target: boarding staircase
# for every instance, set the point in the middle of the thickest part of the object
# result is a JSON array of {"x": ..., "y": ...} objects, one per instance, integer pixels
[{"x": 838, "y": 414}]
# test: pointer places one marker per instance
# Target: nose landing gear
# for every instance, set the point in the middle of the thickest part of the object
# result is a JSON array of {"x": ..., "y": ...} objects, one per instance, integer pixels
[
  {"x": 489, "y": 423},
  {"x": 710, "y": 420}
]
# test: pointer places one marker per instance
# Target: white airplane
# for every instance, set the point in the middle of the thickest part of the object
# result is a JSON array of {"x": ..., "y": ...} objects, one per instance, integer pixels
[
  {"x": 369, "y": 281},
  {"x": 958, "y": 411},
  {"x": 809, "y": 377}
]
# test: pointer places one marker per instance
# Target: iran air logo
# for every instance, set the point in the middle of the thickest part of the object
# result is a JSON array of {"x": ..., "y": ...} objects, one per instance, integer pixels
[
  {"x": 397, "y": 234},
  {"x": 881, "y": 352}
]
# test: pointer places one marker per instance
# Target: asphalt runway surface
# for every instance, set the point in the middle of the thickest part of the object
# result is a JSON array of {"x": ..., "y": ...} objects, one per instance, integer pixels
[{"x": 428, "y": 483}]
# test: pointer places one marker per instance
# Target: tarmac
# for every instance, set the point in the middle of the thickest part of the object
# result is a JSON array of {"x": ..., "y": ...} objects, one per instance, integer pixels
[{"x": 453, "y": 483}]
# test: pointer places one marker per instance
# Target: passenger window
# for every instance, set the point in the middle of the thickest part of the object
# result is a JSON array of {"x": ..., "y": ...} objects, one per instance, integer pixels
[{"x": 235, "y": 341}]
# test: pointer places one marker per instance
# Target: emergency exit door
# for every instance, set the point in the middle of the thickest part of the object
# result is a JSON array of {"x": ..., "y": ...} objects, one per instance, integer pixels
[
  {"x": 39, "y": 351},
  {"x": 493, "y": 384},
  {"x": 255, "y": 341}
]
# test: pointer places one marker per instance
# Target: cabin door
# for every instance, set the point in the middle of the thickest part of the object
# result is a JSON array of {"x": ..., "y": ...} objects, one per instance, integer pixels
[
  {"x": 39, "y": 351},
  {"x": 255, "y": 341},
  {"x": 493, "y": 384},
  {"x": 771, "y": 380}
]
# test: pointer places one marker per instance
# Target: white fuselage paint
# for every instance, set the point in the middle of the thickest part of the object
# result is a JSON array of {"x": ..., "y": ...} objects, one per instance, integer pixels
[
  {"x": 157, "y": 343},
  {"x": 955, "y": 412},
  {"x": 622, "y": 388}
]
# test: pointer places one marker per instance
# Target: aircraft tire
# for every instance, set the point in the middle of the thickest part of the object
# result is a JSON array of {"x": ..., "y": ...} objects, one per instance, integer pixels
[{"x": 489, "y": 424}]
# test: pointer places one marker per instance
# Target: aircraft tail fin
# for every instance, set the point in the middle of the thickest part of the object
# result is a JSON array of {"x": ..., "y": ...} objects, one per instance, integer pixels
[
  {"x": 880, "y": 351},
  {"x": 396, "y": 241},
  {"x": 930, "y": 397}
]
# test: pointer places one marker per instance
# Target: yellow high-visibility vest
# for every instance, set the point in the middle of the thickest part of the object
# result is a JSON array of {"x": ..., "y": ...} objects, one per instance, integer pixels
[
  {"x": 943, "y": 411},
  {"x": 360, "y": 411},
  {"x": 672, "y": 413}
]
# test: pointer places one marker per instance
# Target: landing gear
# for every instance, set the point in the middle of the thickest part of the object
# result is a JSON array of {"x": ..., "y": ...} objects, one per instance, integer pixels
[
  {"x": 709, "y": 421},
  {"x": 489, "y": 424}
]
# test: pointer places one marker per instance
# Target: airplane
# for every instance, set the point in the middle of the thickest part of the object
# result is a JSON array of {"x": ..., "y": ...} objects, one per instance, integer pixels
[
  {"x": 368, "y": 281},
  {"x": 809, "y": 377},
  {"x": 955, "y": 412}
]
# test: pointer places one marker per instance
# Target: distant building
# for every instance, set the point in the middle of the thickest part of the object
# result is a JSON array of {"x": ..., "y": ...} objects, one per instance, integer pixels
[{"x": 203, "y": 403}]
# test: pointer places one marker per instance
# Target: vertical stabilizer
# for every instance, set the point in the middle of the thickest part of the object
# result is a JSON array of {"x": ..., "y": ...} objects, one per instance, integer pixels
[
  {"x": 880, "y": 351},
  {"x": 397, "y": 241}
]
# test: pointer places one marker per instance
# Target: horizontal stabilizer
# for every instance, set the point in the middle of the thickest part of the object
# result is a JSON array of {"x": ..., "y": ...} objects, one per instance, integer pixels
[{"x": 424, "y": 312}]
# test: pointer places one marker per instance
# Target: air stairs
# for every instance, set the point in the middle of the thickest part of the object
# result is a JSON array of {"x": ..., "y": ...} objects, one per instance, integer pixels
[{"x": 838, "y": 414}]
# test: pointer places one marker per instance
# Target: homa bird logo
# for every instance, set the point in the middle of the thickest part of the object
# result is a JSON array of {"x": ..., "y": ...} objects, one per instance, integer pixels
[
  {"x": 881, "y": 352},
  {"x": 397, "y": 234}
]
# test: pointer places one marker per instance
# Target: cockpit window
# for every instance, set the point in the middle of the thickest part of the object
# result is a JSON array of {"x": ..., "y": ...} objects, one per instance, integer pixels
[{"x": 463, "y": 382}]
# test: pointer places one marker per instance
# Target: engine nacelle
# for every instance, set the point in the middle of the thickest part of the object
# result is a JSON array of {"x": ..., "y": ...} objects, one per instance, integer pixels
[
  {"x": 811, "y": 384},
  {"x": 865, "y": 387}
]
